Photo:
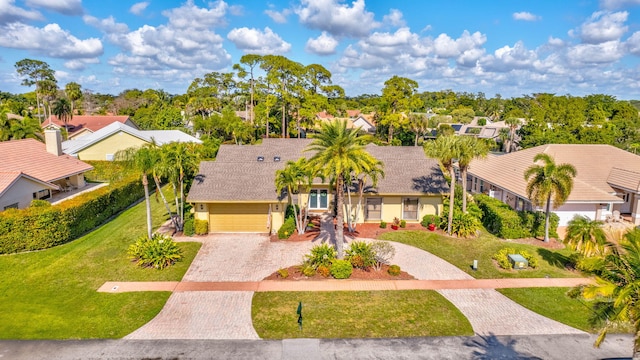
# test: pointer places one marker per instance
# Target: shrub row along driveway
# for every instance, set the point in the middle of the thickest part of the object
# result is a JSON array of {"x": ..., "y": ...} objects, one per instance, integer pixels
[{"x": 249, "y": 257}]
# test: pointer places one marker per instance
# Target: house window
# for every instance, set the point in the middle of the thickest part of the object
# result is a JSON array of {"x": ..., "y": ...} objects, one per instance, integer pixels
[
  {"x": 12, "y": 206},
  {"x": 109, "y": 157},
  {"x": 482, "y": 186},
  {"x": 42, "y": 194},
  {"x": 373, "y": 211},
  {"x": 410, "y": 209},
  {"x": 318, "y": 199}
]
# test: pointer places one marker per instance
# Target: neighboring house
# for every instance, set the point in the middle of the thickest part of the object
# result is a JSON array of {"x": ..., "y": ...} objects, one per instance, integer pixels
[
  {"x": 363, "y": 123},
  {"x": 82, "y": 125},
  {"x": 608, "y": 179},
  {"x": 237, "y": 193},
  {"x": 32, "y": 170},
  {"x": 352, "y": 114},
  {"x": 104, "y": 143},
  {"x": 324, "y": 116}
]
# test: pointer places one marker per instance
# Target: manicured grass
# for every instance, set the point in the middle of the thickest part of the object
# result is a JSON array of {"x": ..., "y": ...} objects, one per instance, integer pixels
[
  {"x": 51, "y": 294},
  {"x": 357, "y": 314},
  {"x": 462, "y": 252},
  {"x": 555, "y": 304}
]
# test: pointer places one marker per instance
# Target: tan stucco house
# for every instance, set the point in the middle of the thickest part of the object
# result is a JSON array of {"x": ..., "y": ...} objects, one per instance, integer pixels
[
  {"x": 608, "y": 179},
  {"x": 31, "y": 170},
  {"x": 237, "y": 193}
]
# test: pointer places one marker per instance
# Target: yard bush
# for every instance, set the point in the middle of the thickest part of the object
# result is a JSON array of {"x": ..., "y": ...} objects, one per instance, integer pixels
[
  {"x": 283, "y": 273},
  {"x": 383, "y": 224},
  {"x": 384, "y": 252},
  {"x": 394, "y": 270},
  {"x": 430, "y": 219},
  {"x": 189, "y": 227},
  {"x": 323, "y": 254},
  {"x": 158, "y": 252},
  {"x": 323, "y": 270},
  {"x": 361, "y": 255},
  {"x": 464, "y": 225},
  {"x": 287, "y": 228},
  {"x": 341, "y": 269},
  {"x": 403, "y": 223},
  {"x": 201, "y": 227},
  {"x": 308, "y": 270},
  {"x": 502, "y": 257}
]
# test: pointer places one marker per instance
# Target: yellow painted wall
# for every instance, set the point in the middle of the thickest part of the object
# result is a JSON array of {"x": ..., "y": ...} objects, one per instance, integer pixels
[
  {"x": 392, "y": 207},
  {"x": 201, "y": 211},
  {"x": 277, "y": 216},
  {"x": 110, "y": 145}
]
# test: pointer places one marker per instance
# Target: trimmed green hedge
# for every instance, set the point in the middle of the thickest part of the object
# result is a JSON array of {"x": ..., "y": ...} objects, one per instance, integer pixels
[
  {"x": 42, "y": 227},
  {"x": 287, "y": 229},
  {"x": 501, "y": 220}
]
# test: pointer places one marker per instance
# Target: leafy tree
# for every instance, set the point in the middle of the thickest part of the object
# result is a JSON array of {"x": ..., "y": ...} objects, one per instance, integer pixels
[
  {"x": 419, "y": 124},
  {"x": 398, "y": 96},
  {"x": 586, "y": 236},
  {"x": 615, "y": 292},
  {"x": 25, "y": 128},
  {"x": 513, "y": 124},
  {"x": 73, "y": 90},
  {"x": 297, "y": 176},
  {"x": 35, "y": 72},
  {"x": 463, "y": 115},
  {"x": 340, "y": 151},
  {"x": 470, "y": 148},
  {"x": 446, "y": 149},
  {"x": 546, "y": 181}
]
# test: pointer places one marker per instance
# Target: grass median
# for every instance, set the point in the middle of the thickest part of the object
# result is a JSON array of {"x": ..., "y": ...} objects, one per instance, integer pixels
[
  {"x": 51, "y": 294},
  {"x": 357, "y": 314}
]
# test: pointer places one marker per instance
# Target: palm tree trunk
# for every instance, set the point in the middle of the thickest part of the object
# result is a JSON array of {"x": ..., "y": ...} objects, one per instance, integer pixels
[
  {"x": 164, "y": 201},
  {"x": 340, "y": 217},
  {"x": 415, "y": 142},
  {"x": 463, "y": 174},
  {"x": 145, "y": 184},
  {"x": 452, "y": 194},
  {"x": 546, "y": 219}
]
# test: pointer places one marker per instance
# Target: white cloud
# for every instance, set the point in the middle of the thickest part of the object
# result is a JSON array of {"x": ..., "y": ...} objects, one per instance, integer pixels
[
  {"x": 259, "y": 42},
  {"x": 138, "y": 8},
  {"x": 50, "y": 40},
  {"x": 11, "y": 13},
  {"x": 617, "y": 4},
  {"x": 236, "y": 10},
  {"x": 394, "y": 18},
  {"x": 193, "y": 17},
  {"x": 603, "y": 27},
  {"x": 606, "y": 52},
  {"x": 80, "y": 64},
  {"x": 108, "y": 25},
  {"x": 66, "y": 7},
  {"x": 337, "y": 19},
  {"x": 633, "y": 43},
  {"x": 448, "y": 48},
  {"x": 508, "y": 58},
  {"x": 525, "y": 16},
  {"x": 555, "y": 41},
  {"x": 324, "y": 44},
  {"x": 279, "y": 17}
]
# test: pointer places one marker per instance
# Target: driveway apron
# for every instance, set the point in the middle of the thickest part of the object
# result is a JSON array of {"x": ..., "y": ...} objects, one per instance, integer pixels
[{"x": 252, "y": 257}]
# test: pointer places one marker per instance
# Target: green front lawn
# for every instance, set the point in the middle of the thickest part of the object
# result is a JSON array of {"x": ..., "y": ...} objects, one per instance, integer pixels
[
  {"x": 462, "y": 252},
  {"x": 51, "y": 294},
  {"x": 357, "y": 314}
]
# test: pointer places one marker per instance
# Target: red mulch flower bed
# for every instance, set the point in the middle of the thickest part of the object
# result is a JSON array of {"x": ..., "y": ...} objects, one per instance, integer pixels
[{"x": 358, "y": 274}]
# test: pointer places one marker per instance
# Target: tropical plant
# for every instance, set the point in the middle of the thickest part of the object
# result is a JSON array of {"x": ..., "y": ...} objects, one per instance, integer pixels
[
  {"x": 320, "y": 255},
  {"x": 341, "y": 269},
  {"x": 546, "y": 181},
  {"x": 73, "y": 90},
  {"x": 446, "y": 149},
  {"x": 615, "y": 294},
  {"x": 513, "y": 123},
  {"x": 296, "y": 176},
  {"x": 363, "y": 253},
  {"x": 339, "y": 152},
  {"x": 384, "y": 252},
  {"x": 586, "y": 236},
  {"x": 360, "y": 179},
  {"x": 470, "y": 148},
  {"x": 158, "y": 252},
  {"x": 62, "y": 109}
]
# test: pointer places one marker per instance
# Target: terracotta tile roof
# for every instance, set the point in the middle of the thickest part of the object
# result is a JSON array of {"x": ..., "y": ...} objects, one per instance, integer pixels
[
  {"x": 594, "y": 164},
  {"x": 31, "y": 157},
  {"x": 237, "y": 175},
  {"x": 353, "y": 113},
  {"x": 81, "y": 122},
  {"x": 324, "y": 115},
  {"x": 8, "y": 178}
]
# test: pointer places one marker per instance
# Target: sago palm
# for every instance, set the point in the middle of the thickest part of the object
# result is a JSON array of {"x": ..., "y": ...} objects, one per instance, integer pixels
[{"x": 586, "y": 236}]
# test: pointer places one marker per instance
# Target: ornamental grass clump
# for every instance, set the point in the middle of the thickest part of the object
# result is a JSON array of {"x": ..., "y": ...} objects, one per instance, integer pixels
[
  {"x": 361, "y": 255},
  {"x": 158, "y": 252}
]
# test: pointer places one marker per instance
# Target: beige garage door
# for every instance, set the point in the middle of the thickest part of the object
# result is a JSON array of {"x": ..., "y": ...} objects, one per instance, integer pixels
[{"x": 238, "y": 217}]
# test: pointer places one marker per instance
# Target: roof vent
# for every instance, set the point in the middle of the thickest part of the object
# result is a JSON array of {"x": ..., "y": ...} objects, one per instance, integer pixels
[
  {"x": 276, "y": 158},
  {"x": 260, "y": 158}
]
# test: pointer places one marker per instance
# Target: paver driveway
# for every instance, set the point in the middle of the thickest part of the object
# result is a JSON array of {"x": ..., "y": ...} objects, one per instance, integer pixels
[{"x": 250, "y": 257}]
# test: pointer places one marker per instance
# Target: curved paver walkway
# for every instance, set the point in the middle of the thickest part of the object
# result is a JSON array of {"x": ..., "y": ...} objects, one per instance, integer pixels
[{"x": 207, "y": 314}]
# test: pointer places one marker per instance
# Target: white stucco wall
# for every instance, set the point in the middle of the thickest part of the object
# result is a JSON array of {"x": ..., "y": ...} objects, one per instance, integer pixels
[
  {"x": 566, "y": 212},
  {"x": 21, "y": 192}
]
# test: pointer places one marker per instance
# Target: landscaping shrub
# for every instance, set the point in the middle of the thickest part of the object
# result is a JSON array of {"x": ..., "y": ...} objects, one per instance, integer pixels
[
  {"x": 394, "y": 270},
  {"x": 502, "y": 257},
  {"x": 361, "y": 255},
  {"x": 341, "y": 269},
  {"x": 464, "y": 225},
  {"x": 403, "y": 223},
  {"x": 322, "y": 254},
  {"x": 201, "y": 227},
  {"x": 383, "y": 224},
  {"x": 430, "y": 219},
  {"x": 189, "y": 228},
  {"x": 283, "y": 273},
  {"x": 288, "y": 213},
  {"x": 158, "y": 252},
  {"x": 308, "y": 270},
  {"x": 287, "y": 228},
  {"x": 323, "y": 270},
  {"x": 40, "y": 203},
  {"x": 384, "y": 252}
]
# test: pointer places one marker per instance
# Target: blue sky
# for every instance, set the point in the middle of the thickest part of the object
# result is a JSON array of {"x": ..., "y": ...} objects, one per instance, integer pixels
[{"x": 506, "y": 47}]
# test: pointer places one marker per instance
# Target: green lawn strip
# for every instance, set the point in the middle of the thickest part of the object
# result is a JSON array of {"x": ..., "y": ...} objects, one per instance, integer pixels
[
  {"x": 52, "y": 294},
  {"x": 554, "y": 304},
  {"x": 462, "y": 252},
  {"x": 357, "y": 314}
]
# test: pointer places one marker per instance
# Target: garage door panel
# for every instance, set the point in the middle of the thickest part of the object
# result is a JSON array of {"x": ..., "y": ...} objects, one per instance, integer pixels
[{"x": 238, "y": 217}]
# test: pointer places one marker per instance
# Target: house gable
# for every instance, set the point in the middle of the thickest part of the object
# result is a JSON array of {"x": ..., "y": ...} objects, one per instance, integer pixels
[{"x": 102, "y": 149}]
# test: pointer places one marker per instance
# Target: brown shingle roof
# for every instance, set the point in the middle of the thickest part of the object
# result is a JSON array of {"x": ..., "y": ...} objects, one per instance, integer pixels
[
  {"x": 31, "y": 157},
  {"x": 237, "y": 175},
  {"x": 593, "y": 162},
  {"x": 82, "y": 122}
]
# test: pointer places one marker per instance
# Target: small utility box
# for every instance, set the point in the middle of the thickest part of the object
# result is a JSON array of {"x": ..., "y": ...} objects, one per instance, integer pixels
[{"x": 518, "y": 261}]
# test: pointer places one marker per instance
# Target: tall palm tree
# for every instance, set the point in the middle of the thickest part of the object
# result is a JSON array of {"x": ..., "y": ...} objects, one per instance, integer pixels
[
  {"x": 25, "y": 128},
  {"x": 548, "y": 180},
  {"x": 615, "y": 292},
  {"x": 446, "y": 149},
  {"x": 513, "y": 125},
  {"x": 362, "y": 180},
  {"x": 503, "y": 135},
  {"x": 340, "y": 151},
  {"x": 586, "y": 236},
  {"x": 73, "y": 90},
  {"x": 63, "y": 110},
  {"x": 419, "y": 124},
  {"x": 470, "y": 148},
  {"x": 296, "y": 176}
]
